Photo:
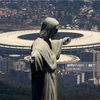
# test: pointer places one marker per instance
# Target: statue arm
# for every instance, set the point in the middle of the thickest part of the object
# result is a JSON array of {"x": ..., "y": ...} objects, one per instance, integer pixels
[{"x": 57, "y": 45}]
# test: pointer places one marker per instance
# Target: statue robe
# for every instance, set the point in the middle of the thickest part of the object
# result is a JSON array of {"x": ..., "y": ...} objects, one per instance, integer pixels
[{"x": 43, "y": 69}]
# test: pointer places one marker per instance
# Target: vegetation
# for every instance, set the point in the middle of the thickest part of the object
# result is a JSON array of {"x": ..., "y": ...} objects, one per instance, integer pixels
[
  {"x": 8, "y": 92},
  {"x": 78, "y": 92},
  {"x": 81, "y": 92},
  {"x": 86, "y": 95}
]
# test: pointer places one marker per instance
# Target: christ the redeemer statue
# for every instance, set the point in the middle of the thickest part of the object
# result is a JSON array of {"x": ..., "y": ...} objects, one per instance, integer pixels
[{"x": 44, "y": 53}]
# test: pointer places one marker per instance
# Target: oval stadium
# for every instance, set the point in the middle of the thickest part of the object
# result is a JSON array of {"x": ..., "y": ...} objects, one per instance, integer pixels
[{"x": 19, "y": 42}]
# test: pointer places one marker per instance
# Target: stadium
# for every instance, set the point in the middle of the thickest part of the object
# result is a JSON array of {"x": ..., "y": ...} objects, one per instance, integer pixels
[{"x": 19, "y": 42}]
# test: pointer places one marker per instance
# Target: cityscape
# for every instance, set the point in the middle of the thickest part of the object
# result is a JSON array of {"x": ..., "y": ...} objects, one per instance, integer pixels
[{"x": 78, "y": 67}]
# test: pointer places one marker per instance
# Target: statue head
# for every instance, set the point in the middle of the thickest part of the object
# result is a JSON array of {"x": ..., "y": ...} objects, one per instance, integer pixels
[{"x": 49, "y": 28}]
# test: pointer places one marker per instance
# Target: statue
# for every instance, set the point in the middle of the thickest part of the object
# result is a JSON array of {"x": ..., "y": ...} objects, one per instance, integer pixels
[{"x": 44, "y": 53}]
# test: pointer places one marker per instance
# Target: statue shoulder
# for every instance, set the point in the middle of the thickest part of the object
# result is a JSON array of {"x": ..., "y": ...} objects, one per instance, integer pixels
[{"x": 35, "y": 55}]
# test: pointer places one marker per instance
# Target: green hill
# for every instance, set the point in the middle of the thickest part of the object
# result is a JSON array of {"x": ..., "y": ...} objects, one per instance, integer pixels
[
  {"x": 79, "y": 92},
  {"x": 8, "y": 92}
]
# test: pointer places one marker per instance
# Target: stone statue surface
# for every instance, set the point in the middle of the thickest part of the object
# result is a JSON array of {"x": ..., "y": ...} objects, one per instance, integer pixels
[{"x": 44, "y": 53}]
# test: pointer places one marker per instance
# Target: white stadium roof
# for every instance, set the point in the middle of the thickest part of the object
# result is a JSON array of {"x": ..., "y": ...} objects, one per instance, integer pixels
[{"x": 11, "y": 40}]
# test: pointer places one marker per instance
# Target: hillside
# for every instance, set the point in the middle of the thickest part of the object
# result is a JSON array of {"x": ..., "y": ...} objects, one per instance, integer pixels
[
  {"x": 8, "y": 92},
  {"x": 79, "y": 92},
  {"x": 7, "y": 79}
]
